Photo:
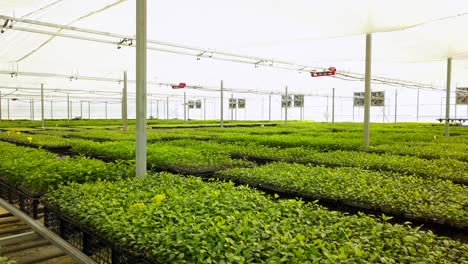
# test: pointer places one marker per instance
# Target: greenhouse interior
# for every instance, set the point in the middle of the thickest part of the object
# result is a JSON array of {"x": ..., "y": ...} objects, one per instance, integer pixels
[{"x": 136, "y": 131}]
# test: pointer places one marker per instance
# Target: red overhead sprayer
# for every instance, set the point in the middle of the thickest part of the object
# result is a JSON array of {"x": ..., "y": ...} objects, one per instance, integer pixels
[
  {"x": 180, "y": 86},
  {"x": 329, "y": 72}
]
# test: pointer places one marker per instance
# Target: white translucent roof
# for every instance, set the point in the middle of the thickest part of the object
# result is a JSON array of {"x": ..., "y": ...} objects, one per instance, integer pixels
[{"x": 411, "y": 41}]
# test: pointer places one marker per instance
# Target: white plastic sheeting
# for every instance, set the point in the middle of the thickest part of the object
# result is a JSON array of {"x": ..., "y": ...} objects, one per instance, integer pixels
[{"x": 412, "y": 41}]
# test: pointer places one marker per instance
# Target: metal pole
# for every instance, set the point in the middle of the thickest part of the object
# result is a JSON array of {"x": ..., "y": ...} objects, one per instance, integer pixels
[
  {"x": 232, "y": 106},
  {"x": 396, "y": 105},
  {"x": 68, "y": 107},
  {"x": 222, "y": 99},
  {"x": 141, "y": 45},
  {"x": 30, "y": 110},
  {"x": 417, "y": 107},
  {"x": 333, "y": 105},
  {"x": 124, "y": 104},
  {"x": 167, "y": 108},
  {"x": 42, "y": 106},
  {"x": 185, "y": 107},
  {"x": 286, "y": 107},
  {"x": 8, "y": 109},
  {"x": 447, "y": 98},
  {"x": 81, "y": 108},
  {"x": 105, "y": 107},
  {"x": 204, "y": 108},
  {"x": 71, "y": 109},
  {"x": 89, "y": 109},
  {"x": 0, "y": 105},
  {"x": 51, "y": 110},
  {"x": 269, "y": 107},
  {"x": 367, "y": 90},
  {"x": 353, "y": 111},
  {"x": 157, "y": 109}
]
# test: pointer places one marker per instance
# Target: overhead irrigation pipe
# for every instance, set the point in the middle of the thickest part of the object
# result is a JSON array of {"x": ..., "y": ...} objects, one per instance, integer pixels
[
  {"x": 124, "y": 40},
  {"x": 37, "y": 96},
  {"x": 116, "y": 80},
  {"x": 79, "y": 92},
  {"x": 128, "y": 41}
]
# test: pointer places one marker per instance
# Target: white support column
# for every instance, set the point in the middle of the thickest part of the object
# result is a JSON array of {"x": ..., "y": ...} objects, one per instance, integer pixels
[
  {"x": 42, "y": 106},
  {"x": 141, "y": 45},
  {"x": 301, "y": 113},
  {"x": 447, "y": 97},
  {"x": 417, "y": 107},
  {"x": 8, "y": 109},
  {"x": 30, "y": 110},
  {"x": 396, "y": 105},
  {"x": 0, "y": 105},
  {"x": 71, "y": 109},
  {"x": 367, "y": 90},
  {"x": 81, "y": 108},
  {"x": 51, "y": 110},
  {"x": 124, "y": 103},
  {"x": 105, "y": 108},
  {"x": 222, "y": 104},
  {"x": 167, "y": 108},
  {"x": 269, "y": 108},
  {"x": 157, "y": 109},
  {"x": 333, "y": 105},
  {"x": 286, "y": 107},
  {"x": 185, "y": 107},
  {"x": 89, "y": 109}
]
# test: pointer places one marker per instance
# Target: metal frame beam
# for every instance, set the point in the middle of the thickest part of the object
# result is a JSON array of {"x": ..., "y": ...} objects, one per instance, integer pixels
[{"x": 63, "y": 245}]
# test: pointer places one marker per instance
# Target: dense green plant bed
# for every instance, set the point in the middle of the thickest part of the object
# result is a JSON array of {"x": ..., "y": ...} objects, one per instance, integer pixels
[
  {"x": 167, "y": 155},
  {"x": 408, "y": 165},
  {"x": 37, "y": 140},
  {"x": 435, "y": 150},
  {"x": 172, "y": 219},
  {"x": 328, "y": 142},
  {"x": 39, "y": 170},
  {"x": 441, "y": 201}
]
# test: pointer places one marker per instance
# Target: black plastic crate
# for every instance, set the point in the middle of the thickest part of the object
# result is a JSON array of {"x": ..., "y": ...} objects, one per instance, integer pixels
[
  {"x": 99, "y": 249},
  {"x": 21, "y": 198}
]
